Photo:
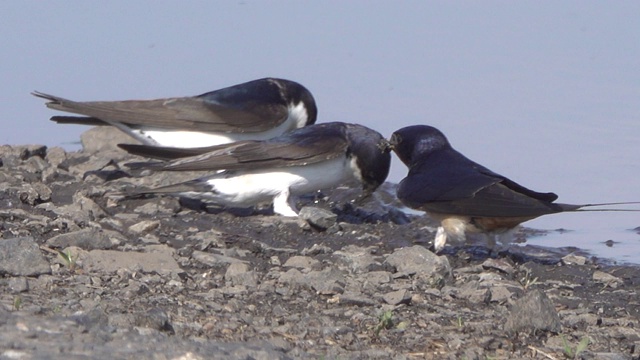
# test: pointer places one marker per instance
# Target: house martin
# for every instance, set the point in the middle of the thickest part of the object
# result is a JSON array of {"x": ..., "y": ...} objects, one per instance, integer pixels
[
  {"x": 255, "y": 110},
  {"x": 305, "y": 160}
]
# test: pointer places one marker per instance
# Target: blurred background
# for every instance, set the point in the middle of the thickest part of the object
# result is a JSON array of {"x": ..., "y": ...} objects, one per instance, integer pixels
[{"x": 544, "y": 92}]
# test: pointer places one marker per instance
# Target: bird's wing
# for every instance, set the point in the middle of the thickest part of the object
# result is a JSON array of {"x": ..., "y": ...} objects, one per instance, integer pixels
[
  {"x": 199, "y": 113},
  {"x": 452, "y": 184},
  {"x": 495, "y": 200},
  {"x": 165, "y": 152},
  {"x": 301, "y": 147}
]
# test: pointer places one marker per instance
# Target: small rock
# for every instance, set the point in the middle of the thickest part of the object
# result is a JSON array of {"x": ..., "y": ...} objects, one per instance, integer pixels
[
  {"x": 292, "y": 277},
  {"x": 156, "y": 319},
  {"x": 35, "y": 164},
  {"x": 83, "y": 209},
  {"x": 376, "y": 278},
  {"x": 239, "y": 274},
  {"x": 166, "y": 205},
  {"x": 274, "y": 260},
  {"x": 36, "y": 193},
  {"x": 18, "y": 284},
  {"x": 319, "y": 218},
  {"x": 358, "y": 259},
  {"x": 156, "y": 258},
  {"x": 144, "y": 227},
  {"x": 302, "y": 262},
  {"x": 326, "y": 282},
  {"x": 101, "y": 139},
  {"x": 316, "y": 249},
  {"x": 607, "y": 279},
  {"x": 498, "y": 264},
  {"x": 351, "y": 298},
  {"x": 397, "y": 297},
  {"x": 22, "y": 257},
  {"x": 474, "y": 293},
  {"x": 56, "y": 156},
  {"x": 213, "y": 259},
  {"x": 421, "y": 262},
  {"x": 88, "y": 239},
  {"x": 93, "y": 318},
  {"x": 572, "y": 259},
  {"x": 573, "y": 320},
  {"x": 533, "y": 312},
  {"x": 207, "y": 239}
]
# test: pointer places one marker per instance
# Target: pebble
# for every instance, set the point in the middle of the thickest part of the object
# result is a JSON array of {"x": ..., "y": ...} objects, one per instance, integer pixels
[
  {"x": 22, "y": 257},
  {"x": 534, "y": 312}
]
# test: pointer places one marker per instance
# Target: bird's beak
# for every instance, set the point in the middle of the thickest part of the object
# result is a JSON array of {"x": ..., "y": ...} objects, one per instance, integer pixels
[
  {"x": 394, "y": 141},
  {"x": 385, "y": 146}
]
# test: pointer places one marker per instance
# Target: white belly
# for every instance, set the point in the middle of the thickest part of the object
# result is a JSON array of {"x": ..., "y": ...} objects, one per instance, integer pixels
[
  {"x": 247, "y": 189},
  {"x": 191, "y": 139}
]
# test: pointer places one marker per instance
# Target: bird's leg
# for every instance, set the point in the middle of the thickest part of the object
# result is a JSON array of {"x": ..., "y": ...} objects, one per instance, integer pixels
[
  {"x": 492, "y": 240},
  {"x": 440, "y": 239},
  {"x": 282, "y": 204}
]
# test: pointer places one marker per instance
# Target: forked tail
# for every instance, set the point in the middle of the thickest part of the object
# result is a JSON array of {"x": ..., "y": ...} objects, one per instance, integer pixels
[{"x": 572, "y": 207}]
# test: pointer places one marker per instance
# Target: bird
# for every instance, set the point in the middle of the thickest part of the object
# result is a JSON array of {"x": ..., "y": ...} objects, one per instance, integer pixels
[
  {"x": 316, "y": 157},
  {"x": 463, "y": 195},
  {"x": 255, "y": 110}
]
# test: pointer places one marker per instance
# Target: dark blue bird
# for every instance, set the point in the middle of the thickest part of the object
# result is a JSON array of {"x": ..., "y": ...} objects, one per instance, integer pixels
[{"x": 463, "y": 195}]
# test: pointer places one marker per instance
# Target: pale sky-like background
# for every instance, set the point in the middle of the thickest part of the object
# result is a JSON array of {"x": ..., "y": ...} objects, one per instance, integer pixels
[{"x": 544, "y": 92}]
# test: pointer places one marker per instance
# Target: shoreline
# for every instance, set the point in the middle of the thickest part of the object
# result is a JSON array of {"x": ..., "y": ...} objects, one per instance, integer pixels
[{"x": 87, "y": 277}]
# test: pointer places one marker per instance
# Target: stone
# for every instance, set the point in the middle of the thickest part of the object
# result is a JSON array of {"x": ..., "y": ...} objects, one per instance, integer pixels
[
  {"x": 573, "y": 259},
  {"x": 319, "y": 218},
  {"x": 397, "y": 297},
  {"x": 88, "y": 239},
  {"x": 156, "y": 258},
  {"x": 498, "y": 264},
  {"x": 155, "y": 318},
  {"x": 240, "y": 274},
  {"x": 144, "y": 227},
  {"x": 168, "y": 205},
  {"x": 533, "y": 312},
  {"x": 607, "y": 279},
  {"x": 18, "y": 284},
  {"x": 56, "y": 156},
  {"x": 101, "y": 139},
  {"x": 417, "y": 260},
  {"x": 302, "y": 262},
  {"x": 358, "y": 259},
  {"x": 353, "y": 298},
  {"x": 213, "y": 259},
  {"x": 326, "y": 282},
  {"x": 22, "y": 257},
  {"x": 35, "y": 193}
]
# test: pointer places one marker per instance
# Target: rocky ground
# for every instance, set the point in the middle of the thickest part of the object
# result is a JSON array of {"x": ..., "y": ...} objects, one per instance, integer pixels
[{"x": 85, "y": 274}]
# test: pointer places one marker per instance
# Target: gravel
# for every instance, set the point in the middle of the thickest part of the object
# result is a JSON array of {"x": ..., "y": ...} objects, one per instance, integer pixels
[{"x": 86, "y": 273}]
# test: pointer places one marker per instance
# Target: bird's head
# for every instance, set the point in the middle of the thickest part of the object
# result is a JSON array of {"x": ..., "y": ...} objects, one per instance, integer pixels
[
  {"x": 371, "y": 152},
  {"x": 417, "y": 142}
]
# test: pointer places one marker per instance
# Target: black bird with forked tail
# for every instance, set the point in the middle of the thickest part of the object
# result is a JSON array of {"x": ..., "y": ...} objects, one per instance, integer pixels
[{"x": 463, "y": 195}]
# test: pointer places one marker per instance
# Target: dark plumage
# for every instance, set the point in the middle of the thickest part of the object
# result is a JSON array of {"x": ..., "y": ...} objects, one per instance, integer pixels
[
  {"x": 312, "y": 158},
  {"x": 464, "y": 195},
  {"x": 255, "y": 110}
]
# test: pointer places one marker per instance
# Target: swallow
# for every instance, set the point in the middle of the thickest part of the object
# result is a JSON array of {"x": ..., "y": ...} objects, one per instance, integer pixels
[
  {"x": 255, "y": 110},
  {"x": 463, "y": 195},
  {"x": 305, "y": 160}
]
